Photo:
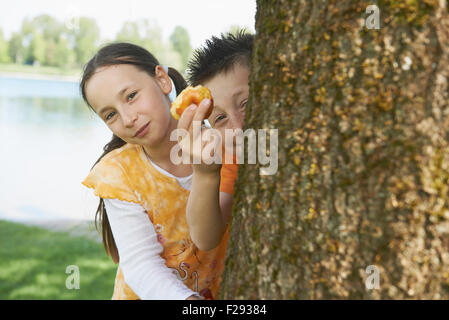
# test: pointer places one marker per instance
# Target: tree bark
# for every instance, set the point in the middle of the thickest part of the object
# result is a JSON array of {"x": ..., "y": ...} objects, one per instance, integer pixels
[{"x": 363, "y": 123}]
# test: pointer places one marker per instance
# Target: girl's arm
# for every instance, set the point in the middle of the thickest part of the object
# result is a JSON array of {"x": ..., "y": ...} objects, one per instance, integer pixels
[{"x": 143, "y": 268}]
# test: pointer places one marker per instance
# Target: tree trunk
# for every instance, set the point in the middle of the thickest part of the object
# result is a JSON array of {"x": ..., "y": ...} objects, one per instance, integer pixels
[{"x": 363, "y": 173}]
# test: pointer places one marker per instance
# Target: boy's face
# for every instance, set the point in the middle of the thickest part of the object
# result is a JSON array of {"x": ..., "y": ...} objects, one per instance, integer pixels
[{"x": 230, "y": 92}]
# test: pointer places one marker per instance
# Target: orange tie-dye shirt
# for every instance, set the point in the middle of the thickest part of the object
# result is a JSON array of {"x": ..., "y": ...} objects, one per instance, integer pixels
[{"x": 127, "y": 174}]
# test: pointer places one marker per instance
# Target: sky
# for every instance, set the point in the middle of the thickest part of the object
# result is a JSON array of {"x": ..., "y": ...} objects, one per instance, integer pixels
[{"x": 202, "y": 18}]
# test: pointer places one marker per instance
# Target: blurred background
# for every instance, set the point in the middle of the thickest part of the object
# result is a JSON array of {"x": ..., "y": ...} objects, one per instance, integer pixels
[{"x": 50, "y": 138}]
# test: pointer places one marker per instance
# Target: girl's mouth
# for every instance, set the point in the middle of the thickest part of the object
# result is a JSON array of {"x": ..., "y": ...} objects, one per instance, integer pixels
[{"x": 142, "y": 131}]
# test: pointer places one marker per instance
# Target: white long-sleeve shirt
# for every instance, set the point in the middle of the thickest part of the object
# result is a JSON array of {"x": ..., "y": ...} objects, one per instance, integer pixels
[{"x": 143, "y": 268}]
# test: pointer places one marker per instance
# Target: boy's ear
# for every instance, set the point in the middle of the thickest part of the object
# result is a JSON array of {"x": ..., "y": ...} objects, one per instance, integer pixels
[{"x": 162, "y": 79}]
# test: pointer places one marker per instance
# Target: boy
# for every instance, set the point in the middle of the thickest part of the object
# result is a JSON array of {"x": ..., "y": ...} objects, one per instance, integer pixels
[{"x": 222, "y": 65}]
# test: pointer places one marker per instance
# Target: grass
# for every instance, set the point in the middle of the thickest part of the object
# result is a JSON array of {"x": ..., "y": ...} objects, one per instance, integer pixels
[
  {"x": 33, "y": 263},
  {"x": 38, "y": 70}
]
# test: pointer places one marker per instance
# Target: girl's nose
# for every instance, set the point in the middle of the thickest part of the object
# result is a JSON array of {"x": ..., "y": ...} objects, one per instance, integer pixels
[{"x": 129, "y": 118}]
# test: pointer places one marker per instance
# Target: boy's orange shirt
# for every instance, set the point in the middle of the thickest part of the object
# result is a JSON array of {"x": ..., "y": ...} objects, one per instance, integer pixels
[
  {"x": 228, "y": 176},
  {"x": 127, "y": 174}
]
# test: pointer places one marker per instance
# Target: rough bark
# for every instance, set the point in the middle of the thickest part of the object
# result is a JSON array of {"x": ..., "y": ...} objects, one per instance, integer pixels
[{"x": 363, "y": 172}]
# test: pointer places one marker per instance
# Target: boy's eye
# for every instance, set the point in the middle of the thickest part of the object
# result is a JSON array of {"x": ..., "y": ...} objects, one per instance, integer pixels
[
  {"x": 131, "y": 96},
  {"x": 110, "y": 115},
  {"x": 243, "y": 105},
  {"x": 220, "y": 117}
]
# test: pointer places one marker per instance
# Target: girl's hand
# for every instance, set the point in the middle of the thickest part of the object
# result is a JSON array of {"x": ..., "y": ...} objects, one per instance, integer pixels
[{"x": 202, "y": 145}]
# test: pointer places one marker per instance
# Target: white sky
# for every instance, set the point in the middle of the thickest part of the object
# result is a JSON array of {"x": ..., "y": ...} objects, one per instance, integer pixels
[{"x": 202, "y": 18}]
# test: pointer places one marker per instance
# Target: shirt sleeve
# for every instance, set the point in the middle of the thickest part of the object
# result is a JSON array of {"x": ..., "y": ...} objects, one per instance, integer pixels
[
  {"x": 143, "y": 268},
  {"x": 228, "y": 175}
]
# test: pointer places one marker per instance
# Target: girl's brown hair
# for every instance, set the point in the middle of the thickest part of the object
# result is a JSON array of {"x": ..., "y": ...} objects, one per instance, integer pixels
[{"x": 115, "y": 54}]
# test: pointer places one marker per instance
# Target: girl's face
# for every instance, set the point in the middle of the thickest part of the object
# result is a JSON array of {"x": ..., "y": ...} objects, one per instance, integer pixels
[{"x": 133, "y": 104}]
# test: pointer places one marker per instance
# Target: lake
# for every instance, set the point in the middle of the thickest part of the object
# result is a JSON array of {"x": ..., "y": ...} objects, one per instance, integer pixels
[{"x": 49, "y": 141}]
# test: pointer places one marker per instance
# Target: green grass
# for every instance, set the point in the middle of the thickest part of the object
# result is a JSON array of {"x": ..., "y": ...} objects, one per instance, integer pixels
[
  {"x": 41, "y": 70},
  {"x": 33, "y": 264}
]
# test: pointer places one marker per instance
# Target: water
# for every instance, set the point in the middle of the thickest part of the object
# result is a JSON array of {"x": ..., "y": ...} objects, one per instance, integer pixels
[{"x": 49, "y": 140}]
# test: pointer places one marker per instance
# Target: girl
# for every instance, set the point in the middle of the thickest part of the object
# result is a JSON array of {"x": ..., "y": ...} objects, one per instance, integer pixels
[{"x": 143, "y": 195}]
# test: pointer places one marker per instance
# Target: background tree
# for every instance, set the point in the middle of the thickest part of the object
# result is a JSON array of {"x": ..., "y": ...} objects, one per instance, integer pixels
[
  {"x": 363, "y": 172},
  {"x": 180, "y": 41},
  {"x": 38, "y": 33},
  {"x": 85, "y": 39},
  {"x": 4, "y": 49},
  {"x": 37, "y": 48},
  {"x": 48, "y": 26},
  {"x": 235, "y": 28},
  {"x": 143, "y": 33},
  {"x": 149, "y": 36},
  {"x": 44, "y": 40},
  {"x": 130, "y": 32},
  {"x": 16, "y": 47},
  {"x": 64, "y": 56}
]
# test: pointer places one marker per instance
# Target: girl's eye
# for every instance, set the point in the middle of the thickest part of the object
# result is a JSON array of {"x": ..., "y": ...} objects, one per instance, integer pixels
[
  {"x": 243, "y": 105},
  {"x": 110, "y": 115},
  {"x": 220, "y": 117},
  {"x": 131, "y": 96}
]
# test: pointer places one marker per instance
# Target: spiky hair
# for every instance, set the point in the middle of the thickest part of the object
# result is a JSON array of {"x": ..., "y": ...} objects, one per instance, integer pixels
[{"x": 219, "y": 55}]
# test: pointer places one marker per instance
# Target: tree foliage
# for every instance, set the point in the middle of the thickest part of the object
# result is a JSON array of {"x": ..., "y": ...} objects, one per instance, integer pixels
[
  {"x": 85, "y": 39},
  {"x": 4, "y": 49},
  {"x": 180, "y": 40},
  {"x": 44, "y": 40}
]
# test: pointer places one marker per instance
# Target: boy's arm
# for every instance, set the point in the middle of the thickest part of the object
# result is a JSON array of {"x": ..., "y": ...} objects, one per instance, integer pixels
[{"x": 204, "y": 215}]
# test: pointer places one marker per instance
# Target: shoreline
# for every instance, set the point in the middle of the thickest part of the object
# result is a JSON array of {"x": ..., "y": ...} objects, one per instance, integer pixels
[{"x": 39, "y": 76}]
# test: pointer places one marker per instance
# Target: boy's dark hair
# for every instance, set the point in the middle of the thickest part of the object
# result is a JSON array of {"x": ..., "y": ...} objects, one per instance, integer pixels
[{"x": 219, "y": 55}]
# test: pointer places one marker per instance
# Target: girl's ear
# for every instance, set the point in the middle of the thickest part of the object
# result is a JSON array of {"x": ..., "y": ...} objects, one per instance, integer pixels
[{"x": 162, "y": 79}]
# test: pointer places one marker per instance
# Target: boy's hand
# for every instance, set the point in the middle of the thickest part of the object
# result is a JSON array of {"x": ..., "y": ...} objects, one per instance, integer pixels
[{"x": 203, "y": 145}]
